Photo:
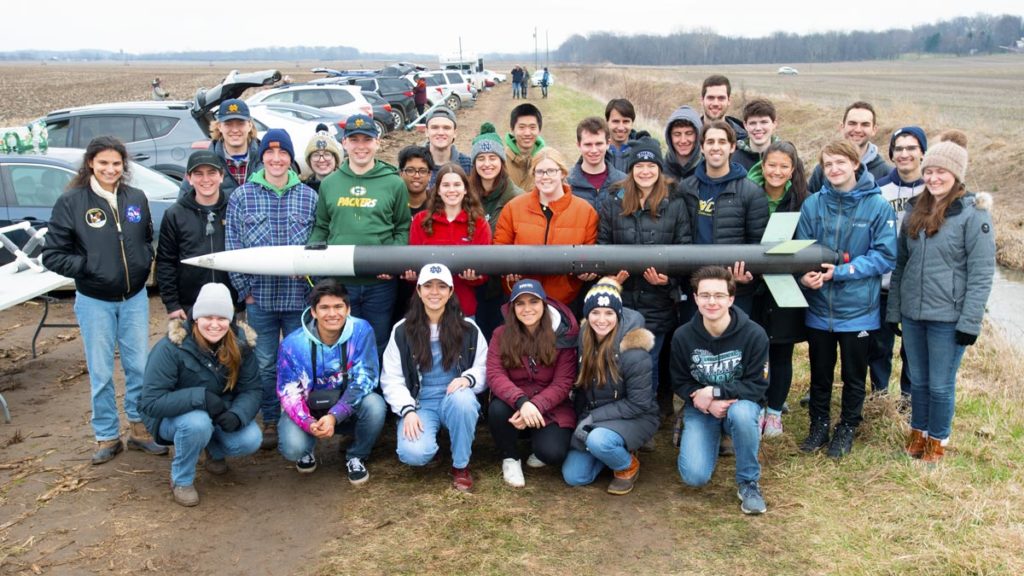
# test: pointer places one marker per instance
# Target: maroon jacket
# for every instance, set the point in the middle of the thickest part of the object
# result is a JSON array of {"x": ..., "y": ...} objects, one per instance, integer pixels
[{"x": 547, "y": 387}]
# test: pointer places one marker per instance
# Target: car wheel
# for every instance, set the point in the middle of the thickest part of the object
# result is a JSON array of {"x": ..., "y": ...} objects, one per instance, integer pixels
[
  {"x": 453, "y": 101},
  {"x": 399, "y": 119},
  {"x": 381, "y": 129}
]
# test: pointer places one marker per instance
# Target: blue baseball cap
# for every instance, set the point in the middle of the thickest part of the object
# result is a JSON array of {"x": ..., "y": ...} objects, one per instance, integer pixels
[
  {"x": 360, "y": 124},
  {"x": 233, "y": 109},
  {"x": 527, "y": 286}
]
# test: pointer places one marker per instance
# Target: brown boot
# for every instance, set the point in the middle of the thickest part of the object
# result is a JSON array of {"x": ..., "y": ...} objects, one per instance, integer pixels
[
  {"x": 139, "y": 439},
  {"x": 106, "y": 450},
  {"x": 933, "y": 451},
  {"x": 916, "y": 443},
  {"x": 624, "y": 480}
]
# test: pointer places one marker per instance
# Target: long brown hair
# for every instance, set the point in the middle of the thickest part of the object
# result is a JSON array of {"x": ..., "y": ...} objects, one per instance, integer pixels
[
  {"x": 476, "y": 183},
  {"x": 417, "y": 332},
  {"x": 929, "y": 214},
  {"x": 597, "y": 358},
  {"x": 470, "y": 203},
  {"x": 517, "y": 341},
  {"x": 632, "y": 194},
  {"x": 95, "y": 146},
  {"x": 228, "y": 354}
]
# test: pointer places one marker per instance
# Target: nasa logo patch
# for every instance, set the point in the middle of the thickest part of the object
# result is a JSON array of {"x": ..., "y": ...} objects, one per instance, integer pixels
[
  {"x": 95, "y": 217},
  {"x": 133, "y": 214}
]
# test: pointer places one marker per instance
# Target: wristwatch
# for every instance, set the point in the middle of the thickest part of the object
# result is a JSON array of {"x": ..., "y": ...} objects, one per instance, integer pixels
[{"x": 716, "y": 392}]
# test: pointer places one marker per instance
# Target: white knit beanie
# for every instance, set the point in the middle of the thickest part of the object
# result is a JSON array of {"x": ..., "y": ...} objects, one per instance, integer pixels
[{"x": 214, "y": 300}]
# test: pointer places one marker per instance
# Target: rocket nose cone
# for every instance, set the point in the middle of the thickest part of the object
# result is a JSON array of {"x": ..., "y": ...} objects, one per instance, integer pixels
[{"x": 205, "y": 261}]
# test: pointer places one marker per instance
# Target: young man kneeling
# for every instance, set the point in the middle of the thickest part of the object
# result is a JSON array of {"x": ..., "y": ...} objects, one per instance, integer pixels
[{"x": 718, "y": 365}]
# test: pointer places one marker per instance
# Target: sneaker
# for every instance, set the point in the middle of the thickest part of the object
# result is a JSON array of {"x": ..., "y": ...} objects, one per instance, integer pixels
[
  {"x": 842, "y": 441},
  {"x": 772, "y": 426},
  {"x": 623, "y": 481},
  {"x": 512, "y": 472},
  {"x": 462, "y": 480},
  {"x": 306, "y": 464},
  {"x": 534, "y": 462},
  {"x": 269, "y": 441},
  {"x": 357, "y": 472},
  {"x": 751, "y": 500},
  {"x": 817, "y": 436},
  {"x": 215, "y": 467},
  {"x": 106, "y": 450},
  {"x": 185, "y": 495}
]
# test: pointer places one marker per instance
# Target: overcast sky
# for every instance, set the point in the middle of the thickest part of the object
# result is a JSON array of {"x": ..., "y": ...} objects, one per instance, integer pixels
[{"x": 434, "y": 26}]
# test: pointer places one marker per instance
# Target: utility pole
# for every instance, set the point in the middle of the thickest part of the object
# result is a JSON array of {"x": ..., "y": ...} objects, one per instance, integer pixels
[
  {"x": 547, "y": 50},
  {"x": 535, "y": 60}
]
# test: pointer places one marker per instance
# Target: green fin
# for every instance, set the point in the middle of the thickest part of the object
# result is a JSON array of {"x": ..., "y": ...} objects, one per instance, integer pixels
[{"x": 785, "y": 290}]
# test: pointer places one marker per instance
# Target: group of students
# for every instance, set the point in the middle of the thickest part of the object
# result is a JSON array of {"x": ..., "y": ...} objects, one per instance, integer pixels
[{"x": 440, "y": 345}]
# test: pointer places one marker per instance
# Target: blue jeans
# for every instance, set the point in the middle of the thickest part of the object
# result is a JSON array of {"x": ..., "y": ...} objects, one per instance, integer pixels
[
  {"x": 104, "y": 325},
  {"x": 365, "y": 424},
  {"x": 458, "y": 413},
  {"x": 698, "y": 448},
  {"x": 270, "y": 327},
  {"x": 604, "y": 448},
  {"x": 193, "y": 431},
  {"x": 373, "y": 303},
  {"x": 934, "y": 358}
]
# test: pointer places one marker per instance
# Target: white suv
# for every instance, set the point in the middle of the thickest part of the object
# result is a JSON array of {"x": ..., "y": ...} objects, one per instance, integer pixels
[
  {"x": 342, "y": 100},
  {"x": 463, "y": 93}
]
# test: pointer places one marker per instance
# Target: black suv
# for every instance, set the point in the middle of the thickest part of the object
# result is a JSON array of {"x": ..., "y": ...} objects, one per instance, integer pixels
[
  {"x": 158, "y": 135},
  {"x": 397, "y": 92}
]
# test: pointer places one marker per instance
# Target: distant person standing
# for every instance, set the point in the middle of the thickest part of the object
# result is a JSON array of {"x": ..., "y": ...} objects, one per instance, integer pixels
[
  {"x": 158, "y": 91},
  {"x": 545, "y": 81},
  {"x": 419, "y": 95},
  {"x": 526, "y": 81},
  {"x": 517, "y": 82},
  {"x": 101, "y": 235}
]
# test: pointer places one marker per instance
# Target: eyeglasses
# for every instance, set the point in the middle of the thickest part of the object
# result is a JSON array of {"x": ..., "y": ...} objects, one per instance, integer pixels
[
  {"x": 712, "y": 297},
  {"x": 415, "y": 171},
  {"x": 321, "y": 156},
  {"x": 549, "y": 173},
  {"x": 901, "y": 149}
]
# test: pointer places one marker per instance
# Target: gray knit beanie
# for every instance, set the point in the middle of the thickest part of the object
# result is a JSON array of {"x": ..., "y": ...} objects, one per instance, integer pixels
[
  {"x": 214, "y": 300},
  {"x": 948, "y": 155},
  {"x": 488, "y": 141}
]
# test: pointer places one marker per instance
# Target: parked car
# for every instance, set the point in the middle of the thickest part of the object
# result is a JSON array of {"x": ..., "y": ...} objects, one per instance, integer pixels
[
  {"x": 159, "y": 135},
  {"x": 382, "y": 116},
  {"x": 462, "y": 93},
  {"x": 788, "y": 71},
  {"x": 30, "y": 184},
  {"x": 494, "y": 76},
  {"x": 337, "y": 98},
  {"x": 299, "y": 121},
  {"x": 397, "y": 92}
]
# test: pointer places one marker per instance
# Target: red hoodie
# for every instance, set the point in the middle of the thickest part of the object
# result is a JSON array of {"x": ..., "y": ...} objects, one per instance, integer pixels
[{"x": 454, "y": 233}]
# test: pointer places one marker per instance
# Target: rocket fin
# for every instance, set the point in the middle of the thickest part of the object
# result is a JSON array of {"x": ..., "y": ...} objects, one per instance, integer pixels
[
  {"x": 789, "y": 247},
  {"x": 781, "y": 227},
  {"x": 785, "y": 290}
]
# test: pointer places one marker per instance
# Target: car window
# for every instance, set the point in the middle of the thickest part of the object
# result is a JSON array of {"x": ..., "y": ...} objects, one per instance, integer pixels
[
  {"x": 260, "y": 126},
  {"x": 160, "y": 125},
  {"x": 38, "y": 186},
  {"x": 341, "y": 97},
  {"x": 454, "y": 78},
  {"x": 58, "y": 132},
  {"x": 314, "y": 98},
  {"x": 280, "y": 97},
  {"x": 127, "y": 129},
  {"x": 366, "y": 84}
]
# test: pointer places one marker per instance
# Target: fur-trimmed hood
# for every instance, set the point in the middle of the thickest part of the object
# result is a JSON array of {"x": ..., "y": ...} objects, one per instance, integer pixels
[
  {"x": 178, "y": 330},
  {"x": 983, "y": 201}
]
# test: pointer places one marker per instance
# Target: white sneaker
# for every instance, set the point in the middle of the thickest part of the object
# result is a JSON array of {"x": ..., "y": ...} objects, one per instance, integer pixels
[
  {"x": 512, "y": 470},
  {"x": 534, "y": 462}
]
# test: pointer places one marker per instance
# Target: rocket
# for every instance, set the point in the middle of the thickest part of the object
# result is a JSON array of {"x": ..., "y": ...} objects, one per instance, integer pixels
[{"x": 777, "y": 258}]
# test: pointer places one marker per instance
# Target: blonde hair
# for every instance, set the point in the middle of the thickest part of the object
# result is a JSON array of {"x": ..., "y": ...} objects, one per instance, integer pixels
[
  {"x": 216, "y": 135},
  {"x": 548, "y": 153}
]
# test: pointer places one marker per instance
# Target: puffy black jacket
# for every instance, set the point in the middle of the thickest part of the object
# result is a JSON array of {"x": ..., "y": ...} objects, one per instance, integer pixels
[
  {"x": 672, "y": 226},
  {"x": 108, "y": 255},
  {"x": 189, "y": 229},
  {"x": 741, "y": 210}
]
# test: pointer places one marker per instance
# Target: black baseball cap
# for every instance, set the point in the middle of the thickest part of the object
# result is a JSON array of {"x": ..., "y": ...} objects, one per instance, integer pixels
[{"x": 204, "y": 158}]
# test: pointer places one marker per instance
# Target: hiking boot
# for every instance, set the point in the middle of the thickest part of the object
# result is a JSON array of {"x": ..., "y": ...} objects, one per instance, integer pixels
[
  {"x": 623, "y": 481},
  {"x": 306, "y": 464},
  {"x": 725, "y": 447},
  {"x": 934, "y": 451},
  {"x": 269, "y": 436},
  {"x": 106, "y": 450},
  {"x": 512, "y": 472},
  {"x": 357, "y": 472},
  {"x": 462, "y": 480},
  {"x": 140, "y": 439},
  {"x": 751, "y": 500},
  {"x": 534, "y": 462},
  {"x": 842, "y": 441},
  {"x": 916, "y": 443},
  {"x": 817, "y": 436},
  {"x": 185, "y": 495},
  {"x": 215, "y": 467},
  {"x": 772, "y": 426}
]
